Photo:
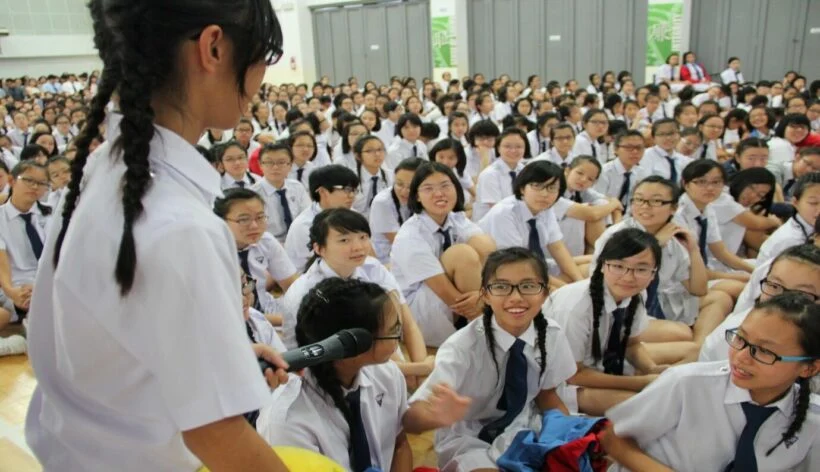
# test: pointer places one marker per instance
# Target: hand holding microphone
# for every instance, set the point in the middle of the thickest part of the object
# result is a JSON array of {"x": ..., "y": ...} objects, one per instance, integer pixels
[
  {"x": 274, "y": 368},
  {"x": 342, "y": 345}
]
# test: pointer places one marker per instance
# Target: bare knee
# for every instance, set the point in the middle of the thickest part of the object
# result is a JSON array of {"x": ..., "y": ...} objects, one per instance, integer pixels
[
  {"x": 460, "y": 256},
  {"x": 719, "y": 299},
  {"x": 483, "y": 244}
]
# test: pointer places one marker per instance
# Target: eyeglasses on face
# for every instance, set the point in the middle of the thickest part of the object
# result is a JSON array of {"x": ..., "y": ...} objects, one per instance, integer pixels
[
  {"x": 618, "y": 269},
  {"x": 245, "y": 221},
  {"x": 654, "y": 202},
  {"x": 503, "y": 289},
  {"x": 773, "y": 289},
  {"x": 760, "y": 354}
]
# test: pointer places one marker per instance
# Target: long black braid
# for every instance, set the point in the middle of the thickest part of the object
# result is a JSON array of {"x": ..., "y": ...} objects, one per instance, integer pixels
[
  {"x": 596, "y": 293},
  {"x": 801, "y": 408}
]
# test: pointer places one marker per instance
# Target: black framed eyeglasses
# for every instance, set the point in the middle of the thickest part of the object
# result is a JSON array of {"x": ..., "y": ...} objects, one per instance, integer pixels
[
  {"x": 395, "y": 336},
  {"x": 655, "y": 202},
  {"x": 502, "y": 289},
  {"x": 773, "y": 289},
  {"x": 760, "y": 354}
]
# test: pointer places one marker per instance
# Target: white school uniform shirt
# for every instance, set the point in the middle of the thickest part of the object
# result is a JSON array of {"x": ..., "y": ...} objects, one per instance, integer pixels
[
  {"x": 571, "y": 306},
  {"x": 14, "y": 240},
  {"x": 401, "y": 149},
  {"x": 370, "y": 271},
  {"x": 780, "y": 150},
  {"x": 62, "y": 139},
  {"x": 479, "y": 117},
  {"x": 574, "y": 230},
  {"x": 730, "y": 75},
  {"x": 299, "y": 235},
  {"x": 384, "y": 180},
  {"x": 303, "y": 415},
  {"x": 726, "y": 209},
  {"x": 387, "y": 132},
  {"x": 229, "y": 182},
  {"x": 473, "y": 167},
  {"x": 783, "y": 173},
  {"x": 206, "y": 143},
  {"x": 20, "y": 138},
  {"x": 584, "y": 145},
  {"x": 538, "y": 144},
  {"x": 263, "y": 331},
  {"x": 268, "y": 257},
  {"x": 612, "y": 179},
  {"x": 494, "y": 184},
  {"x": 262, "y": 128},
  {"x": 667, "y": 73},
  {"x": 296, "y": 196},
  {"x": 161, "y": 374},
  {"x": 676, "y": 302},
  {"x": 794, "y": 232},
  {"x": 308, "y": 167},
  {"x": 9, "y": 158},
  {"x": 508, "y": 224},
  {"x": 703, "y": 418},
  {"x": 553, "y": 156},
  {"x": 707, "y": 151},
  {"x": 654, "y": 160},
  {"x": 458, "y": 446},
  {"x": 501, "y": 111},
  {"x": 344, "y": 159},
  {"x": 686, "y": 214},
  {"x": 384, "y": 218}
]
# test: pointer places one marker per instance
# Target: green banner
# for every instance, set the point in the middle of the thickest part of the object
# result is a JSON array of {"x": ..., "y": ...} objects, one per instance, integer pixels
[
  {"x": 442, "y": 41},
  {"x": 663, "y": 30}
]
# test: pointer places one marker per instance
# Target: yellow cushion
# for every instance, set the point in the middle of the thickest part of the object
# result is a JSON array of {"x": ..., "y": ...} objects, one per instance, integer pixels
[{"x": 297, "y": 459}]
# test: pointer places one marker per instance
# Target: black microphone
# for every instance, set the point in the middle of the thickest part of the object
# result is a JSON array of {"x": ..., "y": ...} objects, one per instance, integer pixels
[{"x": 346, "y": 343}]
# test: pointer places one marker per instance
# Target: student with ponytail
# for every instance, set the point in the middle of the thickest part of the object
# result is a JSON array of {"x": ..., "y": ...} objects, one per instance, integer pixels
[
  {"x": 516, "y": 358},
  {"x": 140, "y": 265},
  {"x": 389, "y": 209},
  {"x": 752, "y": 412},
  {"x": 604, "y": 317}
]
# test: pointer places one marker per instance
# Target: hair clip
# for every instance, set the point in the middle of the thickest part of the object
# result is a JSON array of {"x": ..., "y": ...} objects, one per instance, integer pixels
[{"x": 322, "y": 296}]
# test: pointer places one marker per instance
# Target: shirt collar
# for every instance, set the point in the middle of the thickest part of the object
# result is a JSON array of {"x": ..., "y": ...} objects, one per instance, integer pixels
[
  {"x": 502, "y": 166},
  {"x": 809, "y": 229},
  {"x": 268, "y": 188},
  {"x": 737, "y": 395},
  {"x": 432, "y": 226},
  {"x": 12, "y": 211},
  {"x": 609, "y": 302},
  {"x": 505, "y": 340},
  {"x": 522, "y": 209}
]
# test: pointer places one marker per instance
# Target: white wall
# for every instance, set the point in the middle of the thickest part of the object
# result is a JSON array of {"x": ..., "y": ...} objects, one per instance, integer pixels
[{"x": 36, "y": 55}]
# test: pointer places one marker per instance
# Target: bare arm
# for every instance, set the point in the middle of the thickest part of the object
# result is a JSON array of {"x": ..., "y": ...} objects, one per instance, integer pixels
[
  {"x": 732, "y": 260},
  {"x": 627, "y": 453},
  {"x": 592, "y": 378},
  {"x": 587, "y": 212},
  {"x": 749, "y": 220},
  {"x": 564, "y": 259},
  {"x": 402, "y": 455},
  {"x": 231, "y": 444},
  {"x": 638, "y": 356},
  {"x": 413, "y": 339},
  {"x": 549, "y": 400}
]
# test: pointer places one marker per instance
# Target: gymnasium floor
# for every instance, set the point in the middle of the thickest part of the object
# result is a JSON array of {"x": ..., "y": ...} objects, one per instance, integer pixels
[{"x": 17, "y": 383}]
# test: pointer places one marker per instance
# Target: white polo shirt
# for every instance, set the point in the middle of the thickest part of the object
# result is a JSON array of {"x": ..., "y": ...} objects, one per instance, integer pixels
[
  {"x": 296, "y": 196},
  {"x": 119, "y": 378}
]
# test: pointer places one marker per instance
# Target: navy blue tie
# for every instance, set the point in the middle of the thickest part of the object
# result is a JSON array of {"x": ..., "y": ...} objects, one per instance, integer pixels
[
  {"x": 374, "y": 189},
  {"x": 535, "y": 241},
  {"x": 543, "y": 146},
  {"x": 612, "y": 360},
  {"x": 240, "y": 183},
  {"x": 283, "y": 200},
  {"x": 576, "y": 197},
  {"x": 244, "y": 263},
  {"x": 33, "y": 235},
  {"x": 447, "y": 241},
  {"x": 623, "y": 196},
  {"x": 756, "y": 415},
  {"x": 299, "y": 174},
  {"x": 512, "y": 179},
  {"x": 514, "y": 398},
  {"x": 653, "y": 303},
  {"x": 704, "y": 227},
  {"x": 359, "y": 446},
  {"x": 673, "y": 172},
  {"x": 787, "y": 188},
  {"x": 415, "y": 151},
  {"x": 594, "y": 151}
]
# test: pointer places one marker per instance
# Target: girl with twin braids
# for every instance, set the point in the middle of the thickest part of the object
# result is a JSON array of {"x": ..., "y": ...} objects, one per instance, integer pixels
[{"x": 137, "y": 339}]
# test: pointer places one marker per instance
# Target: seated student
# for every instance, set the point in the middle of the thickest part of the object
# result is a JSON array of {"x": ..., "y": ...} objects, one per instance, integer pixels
[
  {"x": 516, "y": 358},
  {"x": 243, "y": 135},
  {"x": 595, "y": 127},
  {"x": 59, "y": 174},
  {"x": 662, "y": 159},
  {"x": 653, "y": 111},
  {"x": 711, "y": 128},
  {"x": 260, "y": 330},
  {"x": 800, "y": 227},
  {"x": 369, "y": 153},
  {"x": 525, "y": 219},
  {"x": 795, "y": 270},
  {"x": 22, "y": 232},
  {"x": 750, "y": 153},
  {"x": 631, "y": 114},
  {"x": 743, "y": 213},
  {"x": 260, "y": 255},
  {"x": 351, "y": 410},
  {"x": 234, "y": 162},
  {"x": 406, "y": 143},
  {"x": 34, "y": 153},
  {"x": 540, "y": 137},
  {"x": 752, "y": 412},
  {"x": 786, "y": 173},
  {"x": 581, "y": 210},
  {"x": 690, "y": 143},
  {"x": 451, "y": 153},
  {"x": 620, "y": 176},
  {"x": 457, "y": 127},
  {"x": 305, "y": 149},
  {"x": 389, "y": 210},
  {"x": 284, "y": 198},
  {"x": 429, "y": 134},
  {"x": 5, "y": 182},
  {"x": 481, "y": 150},
  {"x": 562, "y": 140},
  {"x": 438, "y": 253},
  {"x": 332, "y": 186},
  {"x": 484, "y": 103},
  {"x": 703, "y": 182},
  {"x": 343, "y": 152},
  {"x": 496, "y": 181},
  {"x": 732, "y": 72},
  {"x": 693, "y": 72},
  {"x": 597, "y": 310}
]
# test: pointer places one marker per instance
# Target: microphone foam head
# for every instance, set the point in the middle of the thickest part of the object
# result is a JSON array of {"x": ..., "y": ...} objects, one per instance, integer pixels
[{"x": 355, "y": 341}]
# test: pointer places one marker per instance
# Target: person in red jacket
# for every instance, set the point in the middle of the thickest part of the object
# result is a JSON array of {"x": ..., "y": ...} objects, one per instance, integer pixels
[{"x": 693, "y": 72}]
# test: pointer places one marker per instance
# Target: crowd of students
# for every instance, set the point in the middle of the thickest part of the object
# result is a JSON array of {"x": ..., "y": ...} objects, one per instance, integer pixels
[{"x": 609, "y": 250}]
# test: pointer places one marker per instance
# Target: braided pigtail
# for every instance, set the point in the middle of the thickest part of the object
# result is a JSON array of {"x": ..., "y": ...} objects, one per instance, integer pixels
[
  {"x": 541, "y": 327},
  {"x": 486, "y": 320},
  {"x": 596, "y": 293},
  {"x": 801, "y": 408}
]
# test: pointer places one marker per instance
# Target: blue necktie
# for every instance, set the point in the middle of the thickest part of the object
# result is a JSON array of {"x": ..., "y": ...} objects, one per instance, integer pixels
[
  {"x": 623, "y": 196},
  {"x": 576, "y": 197},
  {"x": 243, "y": 262},
  {"x": 756, "y": 415},
  {"x": 374, "y": 188},
  {"x": 283, "y": 200},
  {"x": 673, "y": 172},
  {"x": 512, "y": 178},
  {"x": 299, "y": 174},
  {"x": 704, "y": 226},
  {"x": 415, "y": 151},
  {"x": 787, "y": 188},
  {"x": 447, "y": 241},
  {"x": 653, "y": 303},
  {"x": 514, "y": 398},
  {"x": 240, "y": 183},
  {"x": 359, "y": 446},
  {"x": 535, "y": 241},
  {"x": 612, "y": 361},
  {"x": 33, "y": 235},
  {"x": 543, "y": 146}
]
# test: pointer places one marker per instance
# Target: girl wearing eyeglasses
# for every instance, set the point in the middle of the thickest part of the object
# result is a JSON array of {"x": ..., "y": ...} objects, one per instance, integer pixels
[
  {"x": 234, "y": 161},
  {"x": 516, "y": 358},
  {"x": 604, "y": 318},
  {"x": 752, "y": 412},
  {"x": 285, "y": 198},
  {"x": 260, "y": 254},
  {"x": 369, "y": 153},
  {"x": 352, "y": 410},
  {"x": 596, "y": 125},
  {"x": 438, "y": 253},
  {"x": 797, "y": 269},
  {"x": 496, "y": 181},
  {"x": 799, "y": 228}
]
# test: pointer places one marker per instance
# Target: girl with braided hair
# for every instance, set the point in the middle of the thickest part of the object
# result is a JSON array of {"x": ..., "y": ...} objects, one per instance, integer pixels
[
  {"x": 604, "y": 317},
  {"x": 516, "y": 358},
  {"x": 390, "y": 209},
  {"x": 352, "y": 410},
  {"x": 752, "y": 412},
  {"x": 138, "y": 345}
]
